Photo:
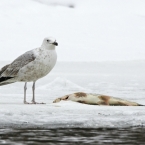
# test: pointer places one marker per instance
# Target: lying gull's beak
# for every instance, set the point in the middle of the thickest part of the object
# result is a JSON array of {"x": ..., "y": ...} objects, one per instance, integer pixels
[{"x": 55, "y": 43}]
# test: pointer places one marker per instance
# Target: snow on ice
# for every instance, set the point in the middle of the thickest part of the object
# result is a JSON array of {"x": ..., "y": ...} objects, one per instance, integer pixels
[
  {"x": 88, "y": 32},
  {"x": 71, "y": 114}
]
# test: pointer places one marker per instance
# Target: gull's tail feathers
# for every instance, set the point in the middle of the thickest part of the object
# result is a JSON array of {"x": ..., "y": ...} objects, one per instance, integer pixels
[
  {"x": 4, "y": 80},
  {"x": 6, "y": 83},
  {"x": 3, "y": 69}
]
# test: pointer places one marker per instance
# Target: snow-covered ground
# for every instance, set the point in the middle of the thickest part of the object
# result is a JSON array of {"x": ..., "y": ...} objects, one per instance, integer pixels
[
  {"x": 89, "y": 31},
  {"x": 120, "y": 79}
]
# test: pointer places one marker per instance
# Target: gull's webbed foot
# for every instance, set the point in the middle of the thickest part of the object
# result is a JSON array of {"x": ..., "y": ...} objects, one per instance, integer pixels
[
  {"x": 25, "y": 102},
  {"x": 34, "y": 102}
]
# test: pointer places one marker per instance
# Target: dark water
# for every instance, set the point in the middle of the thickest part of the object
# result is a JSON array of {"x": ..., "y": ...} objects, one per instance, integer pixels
[{"x": 73, "y": 136}]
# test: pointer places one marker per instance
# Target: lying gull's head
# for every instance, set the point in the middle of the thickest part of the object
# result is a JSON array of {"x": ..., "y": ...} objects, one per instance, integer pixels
[{"x": 49, "y": 41}]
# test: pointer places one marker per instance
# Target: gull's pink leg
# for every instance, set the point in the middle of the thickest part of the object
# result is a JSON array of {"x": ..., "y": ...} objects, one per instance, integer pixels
[
  {"x": 33, "y": 98},
  {"x": 25, "y": 88}
]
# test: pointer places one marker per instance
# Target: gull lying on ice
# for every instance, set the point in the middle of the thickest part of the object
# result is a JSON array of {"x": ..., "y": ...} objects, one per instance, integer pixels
[
  {"x": 96, "y": 99},
  {"x": 31, "y": 66}
]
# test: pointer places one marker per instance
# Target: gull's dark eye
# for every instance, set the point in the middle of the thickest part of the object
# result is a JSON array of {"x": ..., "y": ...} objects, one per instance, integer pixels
[{"x": 47, "y": 40}]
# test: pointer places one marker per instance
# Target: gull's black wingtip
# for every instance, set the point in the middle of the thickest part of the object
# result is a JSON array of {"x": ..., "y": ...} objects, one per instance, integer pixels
[{"x": 2, "y": 79}]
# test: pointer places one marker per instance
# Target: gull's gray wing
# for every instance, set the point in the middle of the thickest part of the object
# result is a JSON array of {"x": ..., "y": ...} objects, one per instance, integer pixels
[
  {"x": 3, "y": 69},
  {"x": 12, "y": 69}
]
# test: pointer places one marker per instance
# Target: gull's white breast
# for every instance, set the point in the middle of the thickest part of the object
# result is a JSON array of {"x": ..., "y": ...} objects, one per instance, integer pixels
[{"x": 44, "y": 62}]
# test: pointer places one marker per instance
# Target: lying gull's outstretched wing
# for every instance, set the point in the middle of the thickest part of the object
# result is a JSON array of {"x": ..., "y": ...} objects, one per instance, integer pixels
[{"x": 11, "y": 70}]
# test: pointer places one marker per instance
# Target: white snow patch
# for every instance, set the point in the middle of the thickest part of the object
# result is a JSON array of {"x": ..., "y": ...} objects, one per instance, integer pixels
[
  {"x": 61, "y": 84},
  {"x": 67, "y": 3},
  {"x": 102, "y": 78}
]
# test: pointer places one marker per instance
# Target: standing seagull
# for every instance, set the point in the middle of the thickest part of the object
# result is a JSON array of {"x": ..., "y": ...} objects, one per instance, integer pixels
[{"x": 31, "y": 66}]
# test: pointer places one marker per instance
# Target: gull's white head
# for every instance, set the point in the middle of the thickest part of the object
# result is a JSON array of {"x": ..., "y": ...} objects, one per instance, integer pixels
[{"x": 49, "y": 42}]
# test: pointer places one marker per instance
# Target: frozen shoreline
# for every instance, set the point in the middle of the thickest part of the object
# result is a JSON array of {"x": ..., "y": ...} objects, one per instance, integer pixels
[
  {"x": 65, "y": 79},
  {"x": 71, "y": 115}
]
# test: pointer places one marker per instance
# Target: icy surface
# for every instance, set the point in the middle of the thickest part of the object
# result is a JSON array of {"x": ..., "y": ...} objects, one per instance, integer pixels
[
  {"x": 120, "y": 79},
  {"x": 62, "y": 85},
  {"x": 86, "y": 31}
]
